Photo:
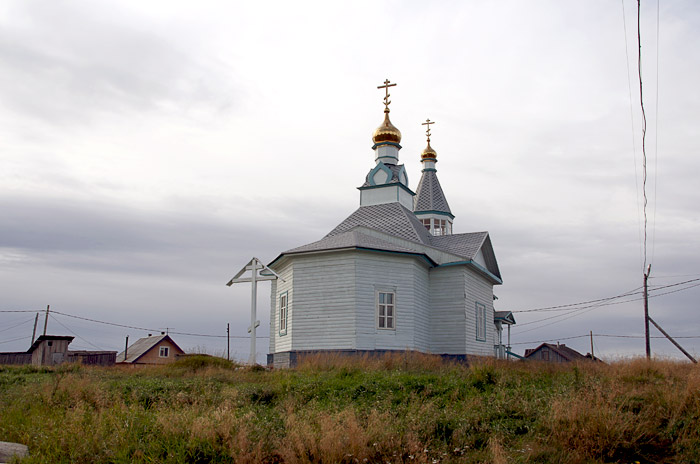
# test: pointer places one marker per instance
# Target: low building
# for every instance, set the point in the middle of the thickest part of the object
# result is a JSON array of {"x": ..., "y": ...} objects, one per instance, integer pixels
[
  {"x": 160, "y": 349},
  {"x": 52, "y": 350},
  {"x": 555, "y": 353}
]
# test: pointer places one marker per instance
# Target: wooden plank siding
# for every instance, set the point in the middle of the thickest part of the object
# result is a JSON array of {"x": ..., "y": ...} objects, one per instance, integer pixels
[
  {"x": 478, "y": 290},
  {"x": 332, "y": 305},
  {"x": 407, "y": 276},
  {"x": 447, "y": 303},
  {"x": 323, "y": 311}
]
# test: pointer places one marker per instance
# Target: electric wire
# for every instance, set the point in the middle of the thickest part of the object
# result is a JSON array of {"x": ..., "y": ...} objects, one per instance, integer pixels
[
  {"x": 13, "y": 340},
  {"x": 634, "y": 135},
  {"x": 74, "y": 333},
  {"x": 16, "y": 325},
  {"x": 644, "y": 128}
]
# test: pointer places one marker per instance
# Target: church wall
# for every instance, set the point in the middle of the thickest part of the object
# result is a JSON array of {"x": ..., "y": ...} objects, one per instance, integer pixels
[
  {"x": 448, "y": 305},
  {"x": 478, "y": 289},
  {"x": 408, "y": 278},
  {"x": 281, "y": 342},
  {"x": 323, "y": 304}
]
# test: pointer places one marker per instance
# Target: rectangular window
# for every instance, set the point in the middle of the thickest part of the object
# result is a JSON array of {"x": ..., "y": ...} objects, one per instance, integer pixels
[
  {"x": 386, "y": 310},
  {"x": 480, "y": 322},
  {"x": 284, "y": 312},
  {"x": 164, "y": 352},
  {"x": 426, "y": 223}
]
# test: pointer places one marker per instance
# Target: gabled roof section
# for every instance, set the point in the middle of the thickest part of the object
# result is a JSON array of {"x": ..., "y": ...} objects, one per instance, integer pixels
[
  {"x": 353, "y": 240},
  {"x": 143, "y": 346},
  {"x": 391, "y": 218},
  {"x": 429, "y": 194},
  {"x": 468, "y": 246},
  {"x": 564, "y": 351},
  {"x": 395, "y": 172}
]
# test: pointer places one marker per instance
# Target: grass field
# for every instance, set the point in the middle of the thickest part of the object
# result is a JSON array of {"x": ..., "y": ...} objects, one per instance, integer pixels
[{"x": 409, "y": 408}]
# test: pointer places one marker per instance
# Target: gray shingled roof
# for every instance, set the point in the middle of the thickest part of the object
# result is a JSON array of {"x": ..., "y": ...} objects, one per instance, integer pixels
[
  {"x": 466, "y": 245},
  {"x": 391, "y": 218},
  {"x": 429, "y": 195},
  {"x": 395, "y": 170},
  {"x": 350, "y": 239}
]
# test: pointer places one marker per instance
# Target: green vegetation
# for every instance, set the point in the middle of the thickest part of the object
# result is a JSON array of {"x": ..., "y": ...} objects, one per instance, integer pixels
[{"x": 408, "y": 408}]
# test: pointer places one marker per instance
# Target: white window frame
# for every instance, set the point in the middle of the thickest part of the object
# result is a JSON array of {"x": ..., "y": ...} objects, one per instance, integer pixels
[
  {"x": 480, "y": 322},
  {"x": 384, "y": 321},
  {"x": 164, "y": 352},
  {"x": 283, "y": 313}
]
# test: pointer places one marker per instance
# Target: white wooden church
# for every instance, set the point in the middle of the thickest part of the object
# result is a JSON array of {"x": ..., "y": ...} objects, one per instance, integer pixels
[{"x": 392, "y": 276}]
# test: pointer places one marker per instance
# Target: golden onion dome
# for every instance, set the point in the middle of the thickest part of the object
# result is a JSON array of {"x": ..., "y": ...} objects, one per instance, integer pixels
[
  {"x": 386, "y": 132},
  {"x": 428, "y": 153}
]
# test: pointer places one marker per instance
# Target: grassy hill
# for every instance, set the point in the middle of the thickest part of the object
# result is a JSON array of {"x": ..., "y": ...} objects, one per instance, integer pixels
[{"x": 407, "y": 409}]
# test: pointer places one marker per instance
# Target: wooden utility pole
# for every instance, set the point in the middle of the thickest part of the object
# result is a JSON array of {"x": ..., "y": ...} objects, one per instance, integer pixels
[
  {"x": 126, "y": 348},
  {"x": 46, "y": 320},
  {"x": 592, "y": 354},
  {"x": 646, "y": 312},
  {"x": 228, "y": 341},
  {"x": 36, "y": 321}
]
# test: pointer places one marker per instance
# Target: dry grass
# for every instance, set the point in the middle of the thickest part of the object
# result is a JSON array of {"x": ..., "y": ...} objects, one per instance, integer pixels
[{"x": 399, "y": 408}]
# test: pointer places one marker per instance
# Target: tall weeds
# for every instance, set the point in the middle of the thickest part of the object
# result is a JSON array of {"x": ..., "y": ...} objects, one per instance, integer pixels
[{"x": 398, "y": 408}]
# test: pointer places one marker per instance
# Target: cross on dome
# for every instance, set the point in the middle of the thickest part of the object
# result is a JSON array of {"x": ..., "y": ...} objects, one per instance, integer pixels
[
  {"x": 386, "y": 86},
  {"x": 428, "y": 122}
]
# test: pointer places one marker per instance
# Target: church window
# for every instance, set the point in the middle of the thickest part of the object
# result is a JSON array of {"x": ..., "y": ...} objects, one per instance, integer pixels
[
  {"x": 480, "y": 322},
  {"x": 284, "y": 312},
  {"x": 386, "y": 310},
  {"x": 164, "y": 352}
]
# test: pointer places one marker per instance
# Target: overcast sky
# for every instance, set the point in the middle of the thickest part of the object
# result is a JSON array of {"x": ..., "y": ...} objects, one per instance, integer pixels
[{"x": 150, "y": 149}]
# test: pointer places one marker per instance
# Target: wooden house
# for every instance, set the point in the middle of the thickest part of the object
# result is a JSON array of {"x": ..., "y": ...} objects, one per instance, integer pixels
[
  {"x": 391, "y": 277},
  {"x": 558, "y": 353},
  {"x": 160, "y": 349}
]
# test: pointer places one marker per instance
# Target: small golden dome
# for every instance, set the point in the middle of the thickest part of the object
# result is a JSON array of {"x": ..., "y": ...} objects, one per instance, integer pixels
[
  {"x": 428, "y": 153},
  {"x": 387, "y": 132}
]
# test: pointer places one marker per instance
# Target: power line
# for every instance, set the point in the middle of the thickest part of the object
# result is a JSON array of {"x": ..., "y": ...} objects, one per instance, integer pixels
[
  {"x": 634, "y": 135},
  {"x": 146, "y": 328},
  {"x": 16, "y": 325},
  {"x": 576, "y": 306},
  {"x": 74, "y": 333},
  {"x": 644, "y": 127},
  {"x": 598, "y": 335}
]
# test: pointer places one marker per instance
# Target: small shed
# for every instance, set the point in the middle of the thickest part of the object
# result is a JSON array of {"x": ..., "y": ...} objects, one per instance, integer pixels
[
  {"x": 160, "y": 349},
  {"x": 555, "y": 353},
  {"x": 50, "y": 350}
]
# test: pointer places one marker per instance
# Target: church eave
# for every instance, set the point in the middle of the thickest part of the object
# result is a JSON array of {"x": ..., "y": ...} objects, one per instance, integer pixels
[
  {"x": 431, "y": 211},
  {"x": 392, "y": 184},
  {"x": 422, "y": 256},
  {"x": 496, "y": 280}
]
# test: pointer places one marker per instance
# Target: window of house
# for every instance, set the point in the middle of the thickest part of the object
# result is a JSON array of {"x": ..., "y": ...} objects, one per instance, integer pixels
[
  {"x": 386, "y": 310},
  {"x": 426, "y": 223},
  {"x": 545, "y": 354},
  {"x": 284, "y": 312},
  {"x": 480, "y": 322},
  {"x": 164, "y": 352}
]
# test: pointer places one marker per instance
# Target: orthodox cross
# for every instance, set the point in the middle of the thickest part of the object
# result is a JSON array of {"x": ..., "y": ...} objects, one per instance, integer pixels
[
  {"x": 386, "y": 86},
  {"x": 428, "y": 122},
  {"x": 258, "y": 272}
]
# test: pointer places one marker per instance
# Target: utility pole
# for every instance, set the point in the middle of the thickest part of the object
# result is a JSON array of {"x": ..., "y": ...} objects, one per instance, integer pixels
[
  {"x": 46, "y": 321},
  {"x": 592, "y": 354},
  {"x": 36, "y": 321},
  {"x": 646, "y": 312},
  {"x": 228, "y": 341},
  {"x": 126, "y": 348}
]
